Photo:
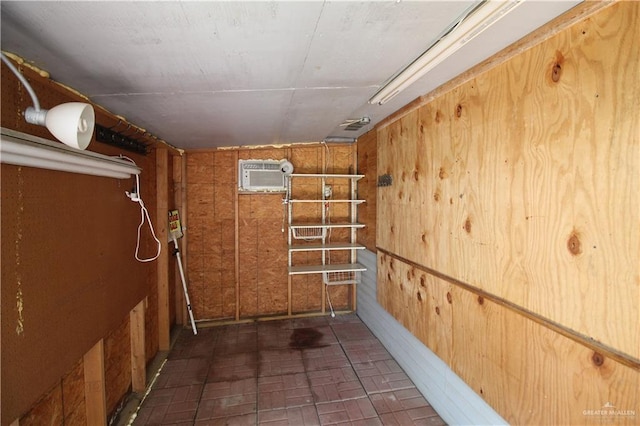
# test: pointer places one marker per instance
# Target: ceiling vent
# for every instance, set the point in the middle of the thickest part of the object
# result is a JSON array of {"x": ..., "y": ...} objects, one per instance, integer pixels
[{"x": 354, "y": 124}]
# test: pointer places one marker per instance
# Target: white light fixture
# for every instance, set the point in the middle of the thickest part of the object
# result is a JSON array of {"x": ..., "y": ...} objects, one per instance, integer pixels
[
  {"x": 21, "y": 149},
  {"x": 471, "y": 25},
  {"x": 338, "y": 139},
  {"x": 71, "y": 123}
]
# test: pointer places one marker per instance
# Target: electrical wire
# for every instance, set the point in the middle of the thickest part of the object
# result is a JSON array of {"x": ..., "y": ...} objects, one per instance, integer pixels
[{"x": 144, "y": 214}]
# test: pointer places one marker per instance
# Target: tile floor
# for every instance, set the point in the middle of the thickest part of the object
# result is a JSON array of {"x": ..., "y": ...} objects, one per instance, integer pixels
[{"x": 310, "y": 371}]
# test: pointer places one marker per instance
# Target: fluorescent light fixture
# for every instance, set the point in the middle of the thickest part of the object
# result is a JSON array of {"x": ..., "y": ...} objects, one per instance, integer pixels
[
  {"x": 71, "y": 123},
  {"x": 21, "y": 149},
  {"x": 472, "y": 24}
]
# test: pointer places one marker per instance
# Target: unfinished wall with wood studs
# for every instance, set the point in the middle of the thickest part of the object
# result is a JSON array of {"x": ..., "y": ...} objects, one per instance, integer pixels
[
  {"x": 223, "y": 223},
  {"x": 509, "y": 240},
  {"x": 69, "y": 277}
]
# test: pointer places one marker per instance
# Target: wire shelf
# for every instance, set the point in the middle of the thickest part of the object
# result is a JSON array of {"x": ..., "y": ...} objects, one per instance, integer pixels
[
  {"x": 341, "y": 277},
  {"x": 309, "y": 233}
]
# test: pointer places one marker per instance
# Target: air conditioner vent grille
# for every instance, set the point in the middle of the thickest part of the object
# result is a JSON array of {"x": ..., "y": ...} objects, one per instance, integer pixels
[{"x": 261, "y": 176}]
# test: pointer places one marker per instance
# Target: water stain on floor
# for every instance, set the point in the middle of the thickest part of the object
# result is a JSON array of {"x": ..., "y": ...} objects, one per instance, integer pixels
[{"x": 305, "y": 338}]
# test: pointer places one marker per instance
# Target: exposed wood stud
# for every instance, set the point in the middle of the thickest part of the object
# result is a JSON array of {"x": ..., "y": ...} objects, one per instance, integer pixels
[
  {"x": 162, "y": 263},
  {"x": 138, "y": 356},
  {"x": 94, "y": 385}
]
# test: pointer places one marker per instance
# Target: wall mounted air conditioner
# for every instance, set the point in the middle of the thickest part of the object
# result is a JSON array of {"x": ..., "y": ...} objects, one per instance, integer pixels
[{"x": 263, "y": 175}]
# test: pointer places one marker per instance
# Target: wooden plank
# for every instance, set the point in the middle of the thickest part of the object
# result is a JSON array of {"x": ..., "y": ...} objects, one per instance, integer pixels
[
  {"x": 181, "y": 309},
  {"x": 162, "y": 263},
  {"x": 94, "y": 385},
  {"x": 236, "y": 209},
  {"x": 138, "y": 356}
]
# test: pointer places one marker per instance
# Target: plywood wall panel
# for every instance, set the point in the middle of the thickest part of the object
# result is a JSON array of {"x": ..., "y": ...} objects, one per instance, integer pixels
[
  {"x": 272, "y": 267},
  {"x": 340, "y": 296},
  {"x": 526, "y": 192},
  {"x": 224, "y": 196},
  {"x": 419, "y": 301},
  {"x": 211, "y": 232},
  {"x": 117, "y": 364},
  {"x": 73, "y": 395},
  {"x": 519, "y": 376},
  {"x": 47, "y": 410},
  {"x": 340, "y": 158},
  {"x": 367, "y": 188},
  {"x": 307, "y": 159},
  {"x": 262, "y": 245},
  {"x": 248, "y": 263},
  {"x": 200, "y": 168},
  {"x": 527, "y": 372},
  {"x": 224, "y": 162},
  {"x": 262, "y": 154},
  {"x": 306, "y": 292}
]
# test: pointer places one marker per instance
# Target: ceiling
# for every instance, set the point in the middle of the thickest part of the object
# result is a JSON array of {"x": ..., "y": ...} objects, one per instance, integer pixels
[{"x": 209, "y": 74}]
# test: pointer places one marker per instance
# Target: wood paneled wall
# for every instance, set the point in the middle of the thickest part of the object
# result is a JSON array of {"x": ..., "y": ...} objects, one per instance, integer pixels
[
  {"x": 367, "y": 187},
  {"x": 222, "y": 223},
  {"x": 68, "y": 243},
  {"x": 510, "y": 238}
]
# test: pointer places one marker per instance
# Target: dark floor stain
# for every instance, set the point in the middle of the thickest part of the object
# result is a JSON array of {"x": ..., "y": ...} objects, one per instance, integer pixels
[{"x": 304, "y": 338}]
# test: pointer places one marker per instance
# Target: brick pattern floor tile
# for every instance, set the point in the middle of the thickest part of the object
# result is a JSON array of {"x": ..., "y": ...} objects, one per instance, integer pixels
[
  {"x": 369, "y": 350},
  {"x": 241, "y": 420},
  {"x": 226, "y": 367},
  {"x": 335, "y": 385},
  {"x": 352, "y": 331},
  {"x": 183, "y": 372},
  {"x": 170, "y": 405},
  {"x": 341, "y": 412},
  {"x": 401, "y": 400},
  {"x": 228, "y": 399},
  {"x": 189, "y": 345},
  {"x": 306, "y": 415},
  {"x": 284, "y": 391},
  {"x": 382, "y": 376},
  {"x": 299, "y": 372},
  {"x": 405, "y": 418},
  {"x": 283, "y": 361},
  {"x": 331, "y": 356},
  {"x": 312, "y": 322}
]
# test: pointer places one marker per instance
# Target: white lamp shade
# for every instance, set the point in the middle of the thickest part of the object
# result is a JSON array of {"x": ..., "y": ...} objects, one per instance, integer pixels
[
  {"x": 286, "y": 167},
  {"x": 72, "y": 123}
]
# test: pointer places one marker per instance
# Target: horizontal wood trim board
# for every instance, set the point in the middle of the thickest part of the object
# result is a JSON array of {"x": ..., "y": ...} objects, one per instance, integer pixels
[{"x": 605, "y": 350}]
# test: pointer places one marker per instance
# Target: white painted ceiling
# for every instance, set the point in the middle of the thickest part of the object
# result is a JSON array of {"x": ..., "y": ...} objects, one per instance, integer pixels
[{"x": 208, "y": 74}]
